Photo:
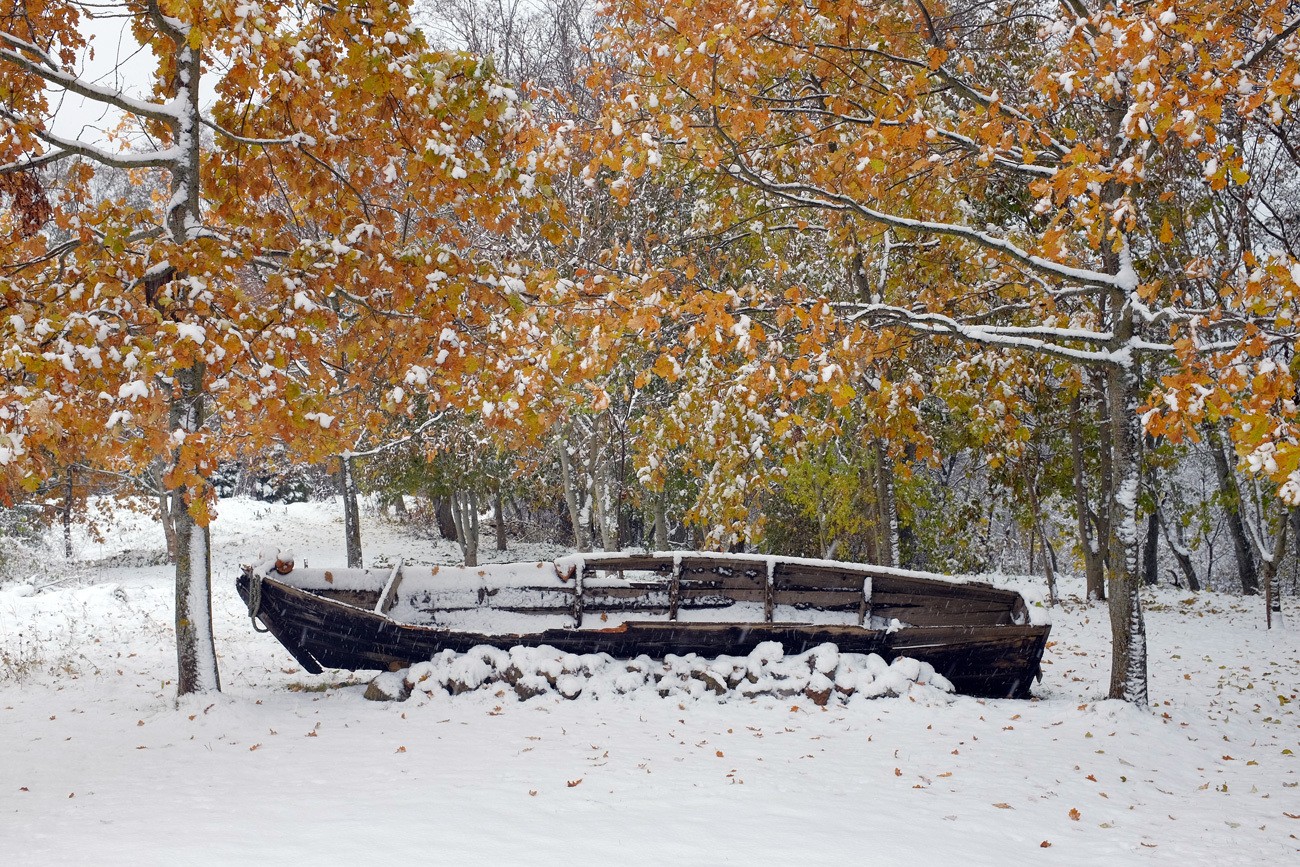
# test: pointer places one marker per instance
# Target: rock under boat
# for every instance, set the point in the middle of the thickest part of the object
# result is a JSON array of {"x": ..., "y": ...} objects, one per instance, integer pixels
[{"x": 986, "y": 640}]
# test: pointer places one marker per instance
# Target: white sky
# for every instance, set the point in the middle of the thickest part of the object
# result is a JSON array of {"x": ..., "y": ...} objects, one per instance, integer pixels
[{"x": 113, "y": 59}]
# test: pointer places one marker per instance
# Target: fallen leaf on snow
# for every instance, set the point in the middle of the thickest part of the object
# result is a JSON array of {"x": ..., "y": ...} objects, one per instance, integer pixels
[{"x": 572, "y": 783}]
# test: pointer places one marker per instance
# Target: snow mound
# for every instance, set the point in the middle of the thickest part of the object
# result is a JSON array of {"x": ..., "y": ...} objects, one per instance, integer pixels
[{"x": 822, "y": 674}]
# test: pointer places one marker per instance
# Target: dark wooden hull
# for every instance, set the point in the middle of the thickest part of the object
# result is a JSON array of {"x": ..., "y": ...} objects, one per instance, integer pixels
[{"x": 998, "y": 661}]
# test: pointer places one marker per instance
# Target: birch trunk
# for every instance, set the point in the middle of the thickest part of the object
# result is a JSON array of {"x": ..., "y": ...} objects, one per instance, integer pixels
[
  {"x": 67, "y": 515},
  {"x": 464, "y": 508},
  {"x": 887, "y": 507},
  {"x": 196, "y": 657},
  {"x": 351, "y": 512},
  {"x": 661, "y": 521},
  {"x": 574, "y": 496},
  {"x": 1271, "y": 577},
  {"x": 1128, "y": 678}
]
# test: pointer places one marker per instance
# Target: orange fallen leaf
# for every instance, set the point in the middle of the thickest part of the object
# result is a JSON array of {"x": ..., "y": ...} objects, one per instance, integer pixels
[
  {"x": 572, "y": 783},
  {"x": 718, "y": 754},
  {"x": 400, "y": 750},
  {"x": 1044, "y": 845},
  {"x": 1004, "y": 806},
  {"x": 898, "y": 772},
  {"x": 1075, "y": 814},
  {"x": 253, "y": 747},
  {"x": 1091, "y": 777}
]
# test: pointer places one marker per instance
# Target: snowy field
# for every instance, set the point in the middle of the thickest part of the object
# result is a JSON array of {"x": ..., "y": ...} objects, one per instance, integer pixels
[{"x": 98, "y": 765}]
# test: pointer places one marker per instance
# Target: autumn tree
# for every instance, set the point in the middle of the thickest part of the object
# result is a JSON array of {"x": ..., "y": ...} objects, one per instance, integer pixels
[
  {"x": 1035, "y": 148},
  {"x": 331, "y": 198}
]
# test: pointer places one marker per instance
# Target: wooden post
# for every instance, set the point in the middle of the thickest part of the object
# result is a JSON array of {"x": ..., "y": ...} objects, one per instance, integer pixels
[
  {"x": 577, "y": 594},
  {"x": 675, "y": 589},
  {"x": 864, "y": 605},
  {"x": 769, "y": 591}
]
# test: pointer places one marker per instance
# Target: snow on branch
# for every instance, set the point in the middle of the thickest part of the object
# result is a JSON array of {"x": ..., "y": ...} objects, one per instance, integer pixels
[
  {"x": 17, "y": 51},
  {"x": 65, "y": 147},
  {"x": 814, "y": 196},
  {"x": 45, "y": 159},
  {"x": 397, "y": 443},
  {"x": 1287, "y": 31},
  {"x": 298, "y": 138},
  {"x": 1042, "y": 339}
]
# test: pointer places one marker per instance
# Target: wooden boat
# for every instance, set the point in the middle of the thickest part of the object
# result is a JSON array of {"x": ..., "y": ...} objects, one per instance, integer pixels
[{"x": 986, "y": 640}]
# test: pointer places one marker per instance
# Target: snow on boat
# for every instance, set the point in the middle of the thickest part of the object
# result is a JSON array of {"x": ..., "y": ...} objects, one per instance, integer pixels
[{"x": 984, "y": 639}]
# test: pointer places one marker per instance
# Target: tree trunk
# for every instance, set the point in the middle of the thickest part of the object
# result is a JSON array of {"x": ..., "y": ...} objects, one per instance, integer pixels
[
  {"x": 1247, "y": 569},
  {"x": 1049, "y": 566},
  {"x": 464, "y": 506},
  {"x": 499, "y": 517},
  {"x": 196, "y": 656},
  {"x": 887, "y": 507},
  {"x": 661, "y": 521},
  {"x": 351, "y": 512},
  {"x": 67, "y": 515},
  {"x": 604, "y": 508},
  {"x": 1150, "y": 559},
  {"x": 1093, "y": 563},
  {"x": 574, "y": 497},
  {"x": 1128, "y": 678},
  {"x": 167, "y": 517},
  {"x": 1049, "y": 554},
  {"x": 1272, "y": 571},
  {"x": 445, "y": 517},
  {"x": 1174, "y": 538}
]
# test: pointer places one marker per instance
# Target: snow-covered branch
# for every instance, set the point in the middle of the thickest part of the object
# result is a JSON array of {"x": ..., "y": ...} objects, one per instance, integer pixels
[
  {"x": 1045, "y": 340},
  {"x": 45, "y": 159},
  {"x": 1271, "y": 43},
  {"x": 814, "y": 196},
  {"x": 295, "y": 139},
  {"x": 397, "y": 443},
  {"x": 17, "y": 52}
]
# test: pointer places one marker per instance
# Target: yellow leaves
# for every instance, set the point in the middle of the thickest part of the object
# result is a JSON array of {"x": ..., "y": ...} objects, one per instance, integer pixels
[{"x": 667, "y": 368}]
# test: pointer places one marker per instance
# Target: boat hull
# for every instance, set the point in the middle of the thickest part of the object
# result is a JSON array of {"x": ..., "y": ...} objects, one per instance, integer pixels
[{"x": 988, "y": 661}]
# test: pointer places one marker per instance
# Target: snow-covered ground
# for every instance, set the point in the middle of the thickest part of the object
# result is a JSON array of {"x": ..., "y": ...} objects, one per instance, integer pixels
[{"x": 98, "y": 766}]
